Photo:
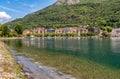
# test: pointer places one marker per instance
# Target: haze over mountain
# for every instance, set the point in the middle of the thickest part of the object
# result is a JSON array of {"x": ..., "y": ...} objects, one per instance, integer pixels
[{"x": 66, "y": 13}]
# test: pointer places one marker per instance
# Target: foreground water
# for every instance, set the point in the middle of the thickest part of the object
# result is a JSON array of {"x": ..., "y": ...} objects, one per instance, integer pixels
[{"x": 83, "y": 58}]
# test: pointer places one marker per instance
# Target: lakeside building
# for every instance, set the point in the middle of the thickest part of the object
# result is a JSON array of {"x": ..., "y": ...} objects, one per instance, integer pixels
[
  {"x": 50, "y": 30},
  {"x": 59, "y": 31},
  {"x": 115, "y": 32},
  {"x": 81, "y": 30},
  {"x": 66, "y": 30},
  {"x": 94, "y": 30},
  {"x": 26, "y": 32},
  {"x": 39, "y": 30}
]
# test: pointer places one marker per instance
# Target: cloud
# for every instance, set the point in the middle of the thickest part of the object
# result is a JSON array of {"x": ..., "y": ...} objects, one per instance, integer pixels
[
  {"x": 10, "y": 9},
  {"x": 4, "y": 17}
]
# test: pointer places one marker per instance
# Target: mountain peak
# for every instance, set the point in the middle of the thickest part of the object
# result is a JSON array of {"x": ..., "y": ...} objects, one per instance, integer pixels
[{"x": 67, "y": 2}]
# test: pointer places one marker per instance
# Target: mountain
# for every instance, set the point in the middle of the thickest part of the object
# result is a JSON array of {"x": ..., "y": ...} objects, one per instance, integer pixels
[{"x": 65, "y": 13}]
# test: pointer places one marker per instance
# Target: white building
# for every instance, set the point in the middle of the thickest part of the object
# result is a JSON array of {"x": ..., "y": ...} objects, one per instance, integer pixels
[{"x": 115, "y": 32}]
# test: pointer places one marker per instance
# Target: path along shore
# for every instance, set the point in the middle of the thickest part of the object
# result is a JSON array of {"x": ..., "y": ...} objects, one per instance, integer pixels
[{"x": 9, "y": 69}]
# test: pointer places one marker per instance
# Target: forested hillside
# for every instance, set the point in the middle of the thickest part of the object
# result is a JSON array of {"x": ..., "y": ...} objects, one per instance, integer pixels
[{"x": 96, "y": 13}]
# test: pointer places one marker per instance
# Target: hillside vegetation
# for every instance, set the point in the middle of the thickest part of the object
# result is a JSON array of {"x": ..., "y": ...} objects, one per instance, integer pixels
[{"x": 97, "y": 13}]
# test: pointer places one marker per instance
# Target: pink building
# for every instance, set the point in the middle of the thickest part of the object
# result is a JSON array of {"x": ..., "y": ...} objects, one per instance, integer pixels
[
  {"x": 25, "y": 32},
  {"x": 38, "y": 30},
  {"x": 59, "y": 30}
]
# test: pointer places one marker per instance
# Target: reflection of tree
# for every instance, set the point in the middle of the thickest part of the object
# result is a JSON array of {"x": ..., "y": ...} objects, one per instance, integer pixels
[
  {"x": 14, "y": 43},
  {"x": 18, "y": 43},
  {"x": 40, "y": 43}
]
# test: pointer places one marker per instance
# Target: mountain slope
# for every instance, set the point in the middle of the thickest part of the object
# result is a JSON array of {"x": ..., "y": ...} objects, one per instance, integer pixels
[{"x": 93, "y": 13}]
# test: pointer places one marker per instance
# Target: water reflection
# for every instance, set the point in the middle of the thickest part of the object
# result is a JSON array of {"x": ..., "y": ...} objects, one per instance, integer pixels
[
  {"x": 115, "y": 45},
  {"x": 102, "y": 51}
]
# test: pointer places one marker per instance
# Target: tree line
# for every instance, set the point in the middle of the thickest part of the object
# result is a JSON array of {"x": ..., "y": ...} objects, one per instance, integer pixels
[{"x": 6, "y": 31}]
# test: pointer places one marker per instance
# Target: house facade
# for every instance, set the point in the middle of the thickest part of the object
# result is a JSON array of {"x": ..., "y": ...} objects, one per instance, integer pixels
[
  {"x": 115, "y": 32},
  {"x": 81, "y": 30},
  {"x": 66, "y": 30},
  {"x": 38, "y": 30},
  {"x": 26, "y": 32},
  {"x": 50, "y": 30},
  {"x": 59, "y": 30},
  {"x": 69, "y": 30},
  {"x": 94, "y": 30}
]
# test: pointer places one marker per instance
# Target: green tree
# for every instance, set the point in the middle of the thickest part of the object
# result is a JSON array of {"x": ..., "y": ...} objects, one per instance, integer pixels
[
  {"x": 109, "y": 29},
  {"x": 106, "y": 28},
  {"x": 0, "y": 27},
  {"x": 19, "y": 28},
  {"x": 6, "y": 31}
]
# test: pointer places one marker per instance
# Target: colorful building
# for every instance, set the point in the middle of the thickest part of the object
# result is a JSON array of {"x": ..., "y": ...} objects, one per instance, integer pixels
[{"x": 26, "y": 32}]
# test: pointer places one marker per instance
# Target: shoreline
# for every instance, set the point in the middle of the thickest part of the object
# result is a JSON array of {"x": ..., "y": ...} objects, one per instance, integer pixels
[
  {"x": 56, "y": 37},
  {"x": 34, "y": 70},
  {"x": 9, "y": 68}
]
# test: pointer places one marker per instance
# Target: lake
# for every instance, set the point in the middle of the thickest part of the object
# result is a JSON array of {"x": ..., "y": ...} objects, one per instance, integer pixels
[{"x": 82, "y": 58}]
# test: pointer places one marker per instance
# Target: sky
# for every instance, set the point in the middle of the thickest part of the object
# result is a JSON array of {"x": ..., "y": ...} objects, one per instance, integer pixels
[{"x": 12, "y": 9}]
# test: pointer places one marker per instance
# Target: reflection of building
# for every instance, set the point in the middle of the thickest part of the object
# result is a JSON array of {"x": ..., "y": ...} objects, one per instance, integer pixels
[
  {"x": 26, "y": 43},
  {"x": 115, "y": 43},
  {"x": 33, "y": 42},
  {"x": 115, "y": 32},
  {"x": 40, "y": 43}
]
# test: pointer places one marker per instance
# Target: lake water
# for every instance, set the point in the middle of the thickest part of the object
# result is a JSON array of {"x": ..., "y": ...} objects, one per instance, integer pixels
[{"x": 82, "y": 58}]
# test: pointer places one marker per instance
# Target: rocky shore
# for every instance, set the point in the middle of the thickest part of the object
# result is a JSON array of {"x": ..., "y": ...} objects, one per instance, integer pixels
[
  {"x": 9, "y": 69},
  {"x": 34, "y": 70}
]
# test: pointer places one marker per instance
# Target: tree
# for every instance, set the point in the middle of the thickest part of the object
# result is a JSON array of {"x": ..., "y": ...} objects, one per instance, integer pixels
[
  {"x": 109, "y": 29},
  {"x": 106, "y": 28},
  {"x": 19, "y": 28},
  {"x": 0, "y": 27},
  {"x": 6, "y": 31}
]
